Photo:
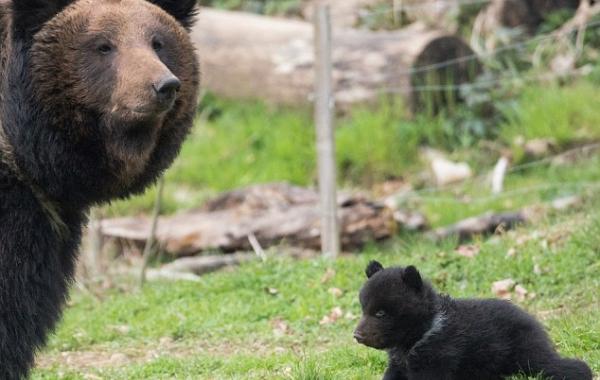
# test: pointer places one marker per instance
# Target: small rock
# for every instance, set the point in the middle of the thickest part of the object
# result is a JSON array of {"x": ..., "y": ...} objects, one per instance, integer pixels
[
  {"x": 539, "y": 147},
  {"x": 446, "y": 172}
]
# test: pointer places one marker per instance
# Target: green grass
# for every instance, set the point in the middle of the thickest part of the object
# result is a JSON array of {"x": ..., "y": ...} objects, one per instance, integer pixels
[
  {"x": 228, "y": 326},
  {"x": 565, "y": 114}
]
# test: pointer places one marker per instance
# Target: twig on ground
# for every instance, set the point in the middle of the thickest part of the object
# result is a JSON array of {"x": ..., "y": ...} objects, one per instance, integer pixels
[{"x": 149, "y": 247}]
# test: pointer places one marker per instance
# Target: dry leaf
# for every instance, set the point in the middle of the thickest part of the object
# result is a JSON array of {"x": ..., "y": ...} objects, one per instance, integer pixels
[
  {"x": 280, "y": 327},
  {"x": 511, "y": 252},
  {"x": 336, "y": 313},
  {"x": 469, "y": 251},
  {"x": 521, "y": 293},
  {"x": 329, "y": 274},
  {"x": 502, "y": 288},
  {"x": 336, "y": 292},
  {"x": 121, "y": 329}
]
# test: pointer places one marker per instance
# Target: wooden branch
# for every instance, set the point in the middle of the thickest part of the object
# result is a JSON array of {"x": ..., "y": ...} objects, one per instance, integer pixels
[
  {"x": 479, "y": 225},
  {"x": 149, "y": 248}
]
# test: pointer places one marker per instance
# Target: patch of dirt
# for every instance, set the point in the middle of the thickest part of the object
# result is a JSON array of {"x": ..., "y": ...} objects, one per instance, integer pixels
[{"x": 108, "y": 357}]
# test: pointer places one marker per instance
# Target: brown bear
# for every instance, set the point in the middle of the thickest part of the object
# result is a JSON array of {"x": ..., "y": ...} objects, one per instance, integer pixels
[{"x": 96, "y": 98}]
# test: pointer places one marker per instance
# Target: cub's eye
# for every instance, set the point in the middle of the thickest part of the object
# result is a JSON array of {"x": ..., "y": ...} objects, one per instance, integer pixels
[
  {"x": 380, "y": 314},
  {"x": 104, "y": 48},
  {"x": 157, "y": 45}
]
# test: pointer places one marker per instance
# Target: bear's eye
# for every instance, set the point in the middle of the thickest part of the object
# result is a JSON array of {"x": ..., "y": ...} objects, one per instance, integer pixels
[
  {"x": 380, "y": 314},
  {"x": 104, "y": 48},
  {"x": 157, "y": 45}
]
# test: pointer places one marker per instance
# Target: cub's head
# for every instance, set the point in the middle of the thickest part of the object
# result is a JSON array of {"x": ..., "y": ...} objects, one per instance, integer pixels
[
  {"x": 118, "y": 77},
  {"x": 396, "y": 304}
]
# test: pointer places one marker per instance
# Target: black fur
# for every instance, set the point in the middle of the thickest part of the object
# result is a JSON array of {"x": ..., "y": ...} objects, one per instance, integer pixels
[
  {"x": 55, "y": 163},
  {"x": 183, "y": 11},
  {"x": 30, "y": 15},
  {"x": 429, "y": 336}
]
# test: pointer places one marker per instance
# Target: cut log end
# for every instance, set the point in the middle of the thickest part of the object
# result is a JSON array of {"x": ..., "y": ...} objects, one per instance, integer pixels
[{"x": 440, "y": 68}]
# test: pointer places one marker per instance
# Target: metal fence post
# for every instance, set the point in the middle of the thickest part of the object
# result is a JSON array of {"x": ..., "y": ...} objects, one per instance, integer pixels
[{"x": 324, "y": 116}]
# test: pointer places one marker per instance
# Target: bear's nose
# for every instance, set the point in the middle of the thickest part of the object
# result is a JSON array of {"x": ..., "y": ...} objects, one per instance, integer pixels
[
  {"x": 358, "y": 336},
  {"x": 166, "y": 89}
]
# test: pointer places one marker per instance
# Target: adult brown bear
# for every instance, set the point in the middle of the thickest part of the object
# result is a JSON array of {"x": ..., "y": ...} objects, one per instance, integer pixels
[{"x": 96, "y": 97}]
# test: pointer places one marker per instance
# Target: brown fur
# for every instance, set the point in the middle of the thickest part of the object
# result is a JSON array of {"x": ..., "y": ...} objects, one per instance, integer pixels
[{"x": 121, "y": 92}]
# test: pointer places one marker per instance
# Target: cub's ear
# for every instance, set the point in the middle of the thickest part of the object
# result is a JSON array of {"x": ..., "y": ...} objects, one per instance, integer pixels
[
  {"x": 372, "y": 268},
  {"x": 30, "y": 15},
  {"x": 184, "y": 11},
  {"x": 412, "y": 277}
]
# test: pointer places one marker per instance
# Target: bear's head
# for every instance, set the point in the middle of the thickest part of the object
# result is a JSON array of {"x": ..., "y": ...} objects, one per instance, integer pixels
[
  {"x": 397, "y": 305},
  {"x": 107, "y": 91}
]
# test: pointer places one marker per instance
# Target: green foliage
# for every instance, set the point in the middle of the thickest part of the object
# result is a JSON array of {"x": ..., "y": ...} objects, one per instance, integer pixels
[
  {"x": 566, "y": 114},
  {"x": 247, "y": 143},
  {"x": 555, "y": 20},
  {"x": 373, "y": 145},
  {"x": 268, "y": 7}
]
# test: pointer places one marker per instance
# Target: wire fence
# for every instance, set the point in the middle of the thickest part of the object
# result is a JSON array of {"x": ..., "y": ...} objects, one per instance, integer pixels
[
  {"x": 478, "y": 56},
  {"x": 402, "y": 6},
  {"x": 484, "y": 177}
]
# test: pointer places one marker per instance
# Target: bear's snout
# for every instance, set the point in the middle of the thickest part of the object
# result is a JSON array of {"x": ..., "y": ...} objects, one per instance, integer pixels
[
  {"x": 359, "y": 337},
  {"x": 166, "y": 90}
]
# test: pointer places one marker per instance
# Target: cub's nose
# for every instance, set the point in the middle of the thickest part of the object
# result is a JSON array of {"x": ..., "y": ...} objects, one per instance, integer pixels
[
  {"x": 359, "y": 338},
  {"x": 166, "y": 89}
]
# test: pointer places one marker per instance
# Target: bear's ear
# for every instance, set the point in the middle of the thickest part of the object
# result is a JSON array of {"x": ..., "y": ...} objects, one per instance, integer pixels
[
  {"x": 412, "y": 277},
  {"x": 30, "y": 15},
  {"x": 183, "y": 11},
  {"x": 372, "y": 268}
]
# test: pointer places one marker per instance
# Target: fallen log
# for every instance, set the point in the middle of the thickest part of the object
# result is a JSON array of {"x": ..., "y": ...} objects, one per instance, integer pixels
[
  {"x": 250, "y": 56},
  {"x": 274, "y": 214},
  {"x": 480, "y": 225}
]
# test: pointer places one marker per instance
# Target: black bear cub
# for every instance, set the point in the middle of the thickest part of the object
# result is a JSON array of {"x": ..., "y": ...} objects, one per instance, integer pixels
[{"x": 432, "y": 336}]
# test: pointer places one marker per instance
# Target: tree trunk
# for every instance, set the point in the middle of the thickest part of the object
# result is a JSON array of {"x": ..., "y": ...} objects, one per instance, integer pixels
[{"x": 250, "y": 56}]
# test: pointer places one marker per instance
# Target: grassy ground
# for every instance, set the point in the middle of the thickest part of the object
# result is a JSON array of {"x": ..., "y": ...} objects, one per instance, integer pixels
[{"x": 262, "y": 320}]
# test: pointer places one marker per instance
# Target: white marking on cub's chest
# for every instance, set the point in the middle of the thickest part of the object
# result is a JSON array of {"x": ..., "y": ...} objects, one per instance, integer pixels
[{"x": 436, "y": 326}]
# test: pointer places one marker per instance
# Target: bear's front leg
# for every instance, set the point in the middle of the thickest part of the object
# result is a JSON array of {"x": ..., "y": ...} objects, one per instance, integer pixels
[
  {"x": 430, "y": 374},
  {"x": 36, "y": 267},
  {"x": 395, "y": 373}
]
